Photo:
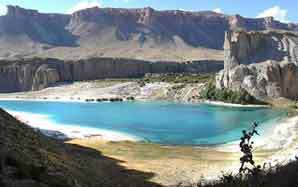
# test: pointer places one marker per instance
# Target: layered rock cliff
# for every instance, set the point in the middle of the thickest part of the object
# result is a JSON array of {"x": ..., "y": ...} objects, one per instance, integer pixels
[
  {"x": 36, "y": 74},
  {"x": 263, "y": 63},
  {"x": 145, "y": 33}
]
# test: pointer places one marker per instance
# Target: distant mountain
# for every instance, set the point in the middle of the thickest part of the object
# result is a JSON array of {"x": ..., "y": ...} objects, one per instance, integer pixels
[{"x": 127, "y": 33}]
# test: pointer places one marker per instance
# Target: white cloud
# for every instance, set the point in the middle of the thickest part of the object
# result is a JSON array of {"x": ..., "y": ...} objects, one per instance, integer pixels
[
  {"x": 276, "y": 12},
  {"x": 3, "y": 10},
  {"x": 84, "y": 5},
  {"x": 218, "y": 10},
  {"x": 125, "y": 1}
]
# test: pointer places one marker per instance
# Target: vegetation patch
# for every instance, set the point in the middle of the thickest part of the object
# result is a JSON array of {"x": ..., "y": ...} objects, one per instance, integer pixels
[
  {"x": 174, "y": 78},
  {"x": 229, "y": 96},
  {"x": 178, "y": 78}
]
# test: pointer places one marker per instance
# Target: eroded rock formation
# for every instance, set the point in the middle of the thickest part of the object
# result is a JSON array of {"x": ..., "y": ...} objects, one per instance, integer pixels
[
  {"x": 36, "y": 74},
  {"x": 263, "y": 63}
]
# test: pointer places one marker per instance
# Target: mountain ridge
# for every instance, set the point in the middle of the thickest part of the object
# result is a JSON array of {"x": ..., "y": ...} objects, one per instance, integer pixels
[{"x": 144, "y": 33}]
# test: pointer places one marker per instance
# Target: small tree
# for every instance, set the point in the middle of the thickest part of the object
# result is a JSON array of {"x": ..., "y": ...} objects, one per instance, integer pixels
[
  {"x": 246, "y": 146},
  {"x": 248, "y": 173},
  {"x": 248, "y": 167}
]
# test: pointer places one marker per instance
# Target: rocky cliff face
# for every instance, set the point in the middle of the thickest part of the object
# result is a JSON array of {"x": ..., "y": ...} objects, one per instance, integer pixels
[
  {"x": 263, "y": 63},
  {"x": 39, "y": 28},
  {"x": 36, "y": 74},
  {"x": 33, "y": 74},
  {"x": 127, "y": 33}
]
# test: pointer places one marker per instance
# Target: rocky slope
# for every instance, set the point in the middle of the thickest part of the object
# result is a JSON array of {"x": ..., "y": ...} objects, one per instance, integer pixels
[
  {"x": 29, "y": 159},
  {"x": 263, "y": 63},
  {"x": 37, "y": 73},
  {"x": 127, "y": 33}
]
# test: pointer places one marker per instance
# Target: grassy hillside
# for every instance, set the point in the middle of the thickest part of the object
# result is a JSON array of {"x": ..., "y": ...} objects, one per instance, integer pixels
[{"x": 31, "y": 159}]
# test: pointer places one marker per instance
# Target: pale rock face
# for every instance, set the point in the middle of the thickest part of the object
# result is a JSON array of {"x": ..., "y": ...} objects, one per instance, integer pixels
[
  {"x": 263, "y": 63},
  {"x": 44, "y": 77},
  {"x": 36, "y": 74}
]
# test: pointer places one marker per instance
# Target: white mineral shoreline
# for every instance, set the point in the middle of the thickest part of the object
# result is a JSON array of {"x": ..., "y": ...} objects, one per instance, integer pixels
[
  {"x": 283, "y": 139},
  {"x": 42, "y": 100},
  {"x": 220, "y": 103},
  {"x": 216, "y": 103},
  {"x": 61, "y": 131}
]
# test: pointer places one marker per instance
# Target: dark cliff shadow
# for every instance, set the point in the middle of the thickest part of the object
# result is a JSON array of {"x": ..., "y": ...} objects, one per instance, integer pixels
[{"x": 108, "y": 171}]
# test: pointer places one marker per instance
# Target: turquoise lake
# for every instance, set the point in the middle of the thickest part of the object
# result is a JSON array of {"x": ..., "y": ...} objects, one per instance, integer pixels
[{"x": 157, "y": 122}]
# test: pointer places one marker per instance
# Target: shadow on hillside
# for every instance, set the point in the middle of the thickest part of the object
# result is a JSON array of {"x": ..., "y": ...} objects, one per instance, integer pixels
[
  {"x": 26, "y": 155},
  {"x": 109, "y": 170}
]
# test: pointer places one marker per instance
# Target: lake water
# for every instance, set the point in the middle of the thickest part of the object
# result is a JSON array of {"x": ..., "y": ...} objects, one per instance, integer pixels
[{"x": 158, "y": 122}]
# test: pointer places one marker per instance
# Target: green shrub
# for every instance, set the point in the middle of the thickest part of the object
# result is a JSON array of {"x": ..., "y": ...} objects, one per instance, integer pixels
[
  {"x": 226, "y": 95},
  {"x": 293, "y": 106},
  {"x": 179, "y": 78}
]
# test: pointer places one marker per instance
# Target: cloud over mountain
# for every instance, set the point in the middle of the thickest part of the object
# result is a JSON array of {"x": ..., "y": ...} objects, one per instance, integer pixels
[
  {"x": 218, "y": 10},
  {"x": 3, "y": 10},
  {"x": 276, "y": 12},
  {"x": 84, "y": 5}
]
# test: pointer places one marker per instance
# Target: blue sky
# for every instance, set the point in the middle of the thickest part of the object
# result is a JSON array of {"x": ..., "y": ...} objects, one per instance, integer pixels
[{"x": 284, "y": 10}]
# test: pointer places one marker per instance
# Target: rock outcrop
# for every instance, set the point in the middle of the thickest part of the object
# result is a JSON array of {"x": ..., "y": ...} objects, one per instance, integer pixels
[
  {"x": 36, "y": 74},
  {"x": 33, "y": 74},
  {"x": 263, "y": 63}
]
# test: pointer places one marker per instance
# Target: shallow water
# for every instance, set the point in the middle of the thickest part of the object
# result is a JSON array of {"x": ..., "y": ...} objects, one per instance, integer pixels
[{"x": 158, "y": 122}]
